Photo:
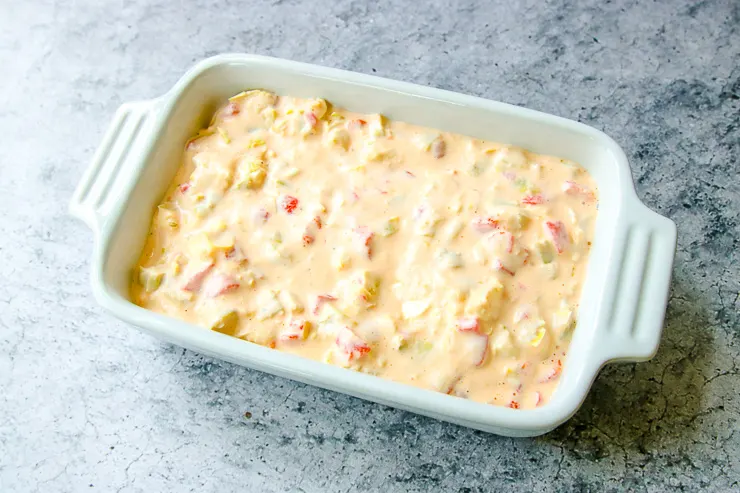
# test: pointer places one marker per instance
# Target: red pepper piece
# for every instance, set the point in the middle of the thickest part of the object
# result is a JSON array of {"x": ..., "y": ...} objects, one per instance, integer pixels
[
  {"x": 485, "y": 223},
  {"x": 196, "y": 280},
  {"x": 219, "y": 284},
  {"x": 350, "y": 344},
  {"x": 533, "y": 200},
  {"x": 320, "y": 300},
  {"x": 295, "y": 331},
  {"x": 468, "y": 324},
  {"x": 289, "y": 203},
  {"x": 558, "y": 234}
]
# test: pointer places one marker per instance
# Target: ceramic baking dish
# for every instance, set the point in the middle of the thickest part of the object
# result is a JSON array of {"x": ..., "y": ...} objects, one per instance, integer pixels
[{"x": 629, "y": 271}]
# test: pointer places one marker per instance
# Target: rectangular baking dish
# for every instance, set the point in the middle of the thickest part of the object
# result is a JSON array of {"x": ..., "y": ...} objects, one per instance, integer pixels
[{"x": 629, "y": 271}]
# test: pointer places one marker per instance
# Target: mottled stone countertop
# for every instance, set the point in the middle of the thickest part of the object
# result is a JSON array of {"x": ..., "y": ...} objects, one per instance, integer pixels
[{"x": 90, "y": 404}]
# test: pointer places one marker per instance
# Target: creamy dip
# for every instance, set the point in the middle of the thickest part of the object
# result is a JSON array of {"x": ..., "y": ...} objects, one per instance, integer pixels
[{"x": 424, "y": 257}]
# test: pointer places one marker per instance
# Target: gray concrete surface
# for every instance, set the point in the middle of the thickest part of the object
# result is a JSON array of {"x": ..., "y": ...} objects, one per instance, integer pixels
[{"x": 89, "y": 404}]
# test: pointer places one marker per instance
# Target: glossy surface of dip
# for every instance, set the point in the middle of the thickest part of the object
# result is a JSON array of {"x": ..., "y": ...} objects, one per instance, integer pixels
[{"x": 423, "y": 257}]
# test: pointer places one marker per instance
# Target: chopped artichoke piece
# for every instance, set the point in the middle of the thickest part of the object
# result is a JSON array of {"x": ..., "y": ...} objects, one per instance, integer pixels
[
  {"x": 371, "y": 153},
  {"x": 509, "y": 158},
  {"x": 425, "y": 141},
  {"x": 167, "y": 215},
  {"x": 255, "y": 142},
  {"x": 227, "y": 323},
  {"x": 180, "y": 295},
  {"x": 538, "y": 337},
  {"x": 563, "y": 320},
  {"x": 269, "y": 114},
  {"x": 247, "y": 278},
  {"x": 546, "y": 251},
  {"x": 224, "y": 135},
  {"x": 413, "y": 309},
  {"x": 150, "y": 279},
  {"x": 449, "y": 259},
  {"x": 331, "y": 314},
  {"x": 224, "y": 243},
  {"x": 250, "y": 174},
  {"x": 424, "y": 346},
  {"x": 485, "y": 300},
  {"x": 318, "y": 108},
  {"x": 211, "y": 177},
  {"x": 399, "y": 342},
  {"x": 377, "y": 125},
  {"x": 292, "y": 172},
  {"x": 390, "y": 227},
  {"x": 205, "y": 203},
  {"x": 517, "y": 222},
  {"x": 269, "y": 305},
  {"x": 200, "y": 246},
  {"x": 530, "y": 331},
  {"x": 291, "y": 302},
  {"x": 177, "y": 264},
  {"x": 339, "y": 137},
  {"x": 454, "y": 229},
  {"x": 368, "y": 286},
  {"x": 341, "y": 259},
  {"x": 427, "y": 222},
  {"x": 335, "y": 119},
  {"x": 478, "y": 168},
  {"x": 501, "y": 341},
  {"x": 257, "y": 97}
]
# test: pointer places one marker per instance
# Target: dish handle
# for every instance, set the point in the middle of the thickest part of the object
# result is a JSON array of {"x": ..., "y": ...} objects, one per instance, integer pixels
[
  {"x": 646, "y": 246},
  {"x": 114, "y": 160}
]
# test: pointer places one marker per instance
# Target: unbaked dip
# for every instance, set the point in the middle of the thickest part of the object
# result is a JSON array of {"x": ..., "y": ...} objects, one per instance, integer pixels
[{"x": 420, "y": 256}]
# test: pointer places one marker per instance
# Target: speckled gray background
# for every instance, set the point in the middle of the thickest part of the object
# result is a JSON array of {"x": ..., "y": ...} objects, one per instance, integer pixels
[{"x": 89, "y": 404}]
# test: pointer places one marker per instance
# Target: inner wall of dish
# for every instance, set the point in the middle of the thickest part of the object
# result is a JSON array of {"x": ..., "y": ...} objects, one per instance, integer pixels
[{"x": 193, "y": 109}]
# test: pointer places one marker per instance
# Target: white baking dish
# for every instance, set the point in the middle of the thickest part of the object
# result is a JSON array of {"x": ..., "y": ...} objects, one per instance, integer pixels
[{"x": 629, "y": 271}]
